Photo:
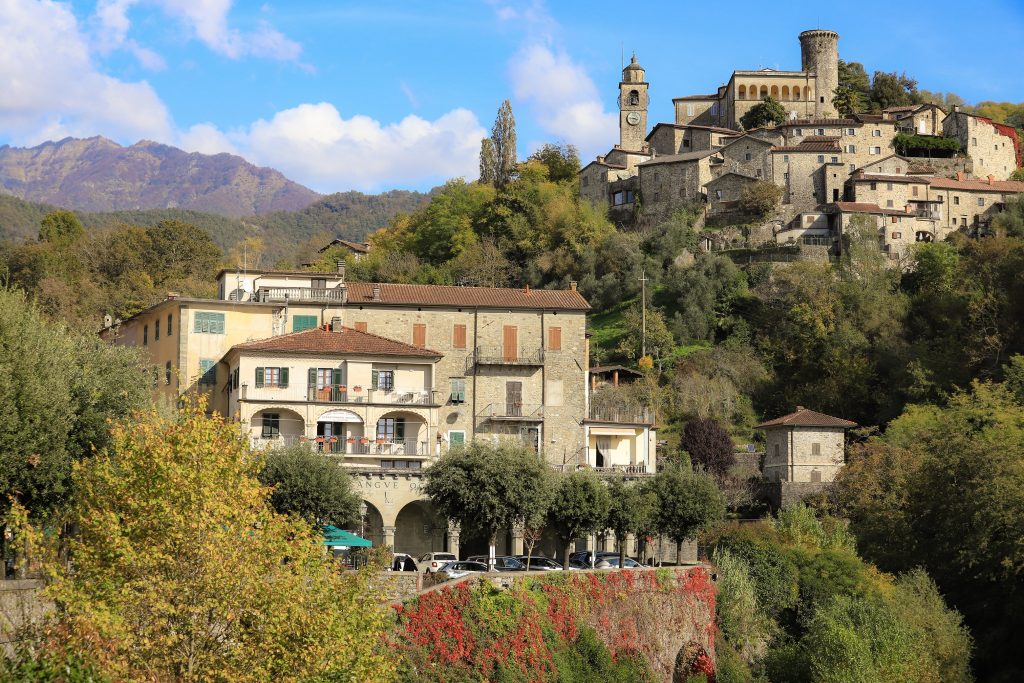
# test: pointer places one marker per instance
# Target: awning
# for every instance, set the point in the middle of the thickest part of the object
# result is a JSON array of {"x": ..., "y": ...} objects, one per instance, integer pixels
[
  {"x": 613, "y": 431},
  {"x": 340, "y": 416},
  {"x": 335, "y": 536}
]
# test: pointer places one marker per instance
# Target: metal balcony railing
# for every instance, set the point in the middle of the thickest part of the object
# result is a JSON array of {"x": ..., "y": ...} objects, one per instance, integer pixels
[
  {"x": 513, "y": 411},
  {"x": 621, "y": 414},
  {"x": 480, "y": 356},
  {"x": 337, "y": 445},
  {"x": 341, "y": 393},
  {"x": 639, "y": 470},
  {"x": 328, "y": 294}
]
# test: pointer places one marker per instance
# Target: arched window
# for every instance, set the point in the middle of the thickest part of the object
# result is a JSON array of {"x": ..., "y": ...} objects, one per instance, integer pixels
[
  {"x": 742, "y": 92},
  {"x": 634, "y": 98},
  {"x": 785, "y": 92},
  {"x": 807, "y": 92},
  {"x": 764, "y": 91},
  {"x": 775, "y": 91}
]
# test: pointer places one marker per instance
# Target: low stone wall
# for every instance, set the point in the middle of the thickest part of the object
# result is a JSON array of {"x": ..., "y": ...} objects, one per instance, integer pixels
[
  {"x": 780, "y": 494},
  {"x": 20, "y": 606}
]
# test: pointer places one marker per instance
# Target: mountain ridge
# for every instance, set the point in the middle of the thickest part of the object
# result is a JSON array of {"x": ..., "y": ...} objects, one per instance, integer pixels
[{"x": 97, "y": 174}]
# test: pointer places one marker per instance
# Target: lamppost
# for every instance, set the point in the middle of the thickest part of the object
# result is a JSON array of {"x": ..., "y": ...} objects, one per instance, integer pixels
[{"x": 362, "y": 517}]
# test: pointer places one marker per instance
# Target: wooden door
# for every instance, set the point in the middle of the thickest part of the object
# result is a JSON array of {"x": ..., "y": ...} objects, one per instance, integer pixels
[
  {"x": 510, "y": 343},
  {"x": 514, "y": 399}
]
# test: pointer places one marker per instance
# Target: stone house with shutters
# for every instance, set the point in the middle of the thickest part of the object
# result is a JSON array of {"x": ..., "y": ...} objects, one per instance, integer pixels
[
  {"x": 413, "y": 369},
  {"x": 804, "y": 450}
]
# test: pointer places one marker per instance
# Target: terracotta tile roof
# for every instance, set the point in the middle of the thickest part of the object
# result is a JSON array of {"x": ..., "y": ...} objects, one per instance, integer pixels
[
  {"x": 684, "y": 126},
  {"x": 484, "y": 297},
  {"x": 880, "y": 177},
  {"x": 865, "y": 207},
  {"x": 977, "y": 185},
  {"x": 354, "y": 246},
  {"x": 345, "y": 341},
  {"x": 819, "y": 138},
  {"x": 869, "y": 118},
  {"x": 817, "y": 122},
  {"x": 905, "y": 107},
  {"x": 807, "y": 418},
  {"x": 810, "y": 146},
  {"x": 696, "y": 97}
]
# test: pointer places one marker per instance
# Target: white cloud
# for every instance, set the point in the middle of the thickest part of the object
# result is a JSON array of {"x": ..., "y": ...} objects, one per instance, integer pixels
[
  {"x": 563, "y": 97},
  {"x": 205, "y": 138},
  {"x": 208, "y": 21},
  {"x": 314, "y": 145},
  {"x": 53, "y": 89}
]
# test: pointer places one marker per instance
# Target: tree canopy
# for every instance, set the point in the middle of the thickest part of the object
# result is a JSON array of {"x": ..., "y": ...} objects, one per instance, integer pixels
[
  {"x": 580, "y": 507},
  {"x": 307, "y": 484},
  {"x": 767, "y": 112}
]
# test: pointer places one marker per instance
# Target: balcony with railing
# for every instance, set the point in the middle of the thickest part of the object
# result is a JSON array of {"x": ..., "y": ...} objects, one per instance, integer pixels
[
  {"x": 340, "y": 446},
  {"x": 341, "y": 393},
  {"x": 338, "y": 295},
  {"x": 639, "y": 470},
  {"x": 523, "y": 356},
  {"x": 513, "y": 412},
  {"x": 621, "y": 414}
]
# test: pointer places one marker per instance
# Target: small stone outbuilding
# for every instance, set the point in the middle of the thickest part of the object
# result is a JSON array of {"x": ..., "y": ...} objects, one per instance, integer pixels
[{"x": 804, "y": 447}]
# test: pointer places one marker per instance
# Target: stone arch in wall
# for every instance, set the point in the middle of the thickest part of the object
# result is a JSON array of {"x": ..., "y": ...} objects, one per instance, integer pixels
[
  {"x": 372, "y": 525},
  {"x": 785, "y": 92},
  {"x": 634, "y": 98},
  {"x": 287, "y": 426},
  {"x": 807, "y": 92},
  {"x": 764, "y": 91},
  {"x": 742, "y": 92},
  {"x": 775, "y": 91},
  {"x": 418, "y": 529}
]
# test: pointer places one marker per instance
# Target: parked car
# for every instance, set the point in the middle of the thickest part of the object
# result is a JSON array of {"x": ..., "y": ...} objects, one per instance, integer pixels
[
  {"x": 539, "y": 563},
  {"x": 502, "y": 563},
  {"x": 403, "y": 562},
  {"x": 454, "y": 570},
  {"x": 576, "y": 564},
  {"x": 613, "y": 563},
  {"x": 584, "y": 556},
  {"x": 432, "y": 562}
]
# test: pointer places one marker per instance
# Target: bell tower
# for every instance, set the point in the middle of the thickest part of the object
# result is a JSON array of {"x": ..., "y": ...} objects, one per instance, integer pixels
[{"x": 632, "y": 108}]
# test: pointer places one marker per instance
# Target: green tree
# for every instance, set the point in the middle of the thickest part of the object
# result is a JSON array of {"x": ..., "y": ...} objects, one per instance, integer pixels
[
  {"x": 853, "y": 78},
  {"x": 688, "y": 502},
  {"x": 760, "y": 198},
  {"x": 1010, "y": 221},
  {"x": 183, "y": 571},
  {"x": 487, "y": 488},
  {"x": 768, "y": 112},
  {"x": 503, "y": 139},
  {"x": 180, "y": 250},
  {"x": 310, "y": 485},
  {"x": 580, "y": 507},
  {"x": 892, "y": 90},
  {"x": 659, "y": 341},
  {"x": 709, "y": 446},
  {"x": 742, "y": 620},
  {"x": 562, "y": 161},
  {"x": 848, "y": 101},
  {"x": 487, "y": 162},
  {"x": 627, "y": 505},
  {"x": 61, "y": 227}
]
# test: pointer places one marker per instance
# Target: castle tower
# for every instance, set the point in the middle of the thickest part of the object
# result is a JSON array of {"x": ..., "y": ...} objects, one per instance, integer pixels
[
  {"x": 819, "y": 52},
  {"x": 632, "y": 108}
]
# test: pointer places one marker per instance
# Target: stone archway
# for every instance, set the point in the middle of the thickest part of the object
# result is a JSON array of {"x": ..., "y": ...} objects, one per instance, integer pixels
[
  {"x": 372, "y": 526},
  {"x": 419, "y": 530},
  {"x": 272, "y": 427}
]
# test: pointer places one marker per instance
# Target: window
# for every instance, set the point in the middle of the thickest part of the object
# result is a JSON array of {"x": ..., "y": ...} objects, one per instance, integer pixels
[
  {"x": 271, "y": 425},
  {"x": 757, "y": 173},
  {"x": 981, "y": 201},
  {"x": 145, "y": 335},
  {"x": 718, "y": 195},
  {"x": 458, "y": 387},
  {"x": 419, "y": 335},
  {"x": 888, "y": 187},
  {"x": 169, "y": 324},
  {"x": 974, "y": 142},
  {"x": 208, "y": 372},
  {"x": 798, "y": 132},
  {"x": 272, "y": 377},
  {"x": 785, "y": 177},
  {"x": 898, "y": 170},
  {"x": 585, "y": 181},
  {"x": 785, "y": 158},
  {"x": 459, "y": 337},
  {"x": 874, "y": 185},
  {"x": 456, "y": 438},
  {"x": 383, "y": 380},
  {"x": 686, "y": 142},
  {"x": 746, "y": 157},
  {"x": 956, "y": 200},
  {"x": 234, "y": 378},
  {"x": 876, "y": 133},
  {"x": 167, "y": 373},
  {"x": 775, "y": 450},
  {"x": 875, "y": 150},
  {"x": 821, "y": 158},
  {"x": 318, "y": 283},
  {"x": 810, "y": 219},
  {"x": 888, "y": 203},
  {"x": 913, "y": 190},
  {"x": 303, "y": 322},
  {"x": 401, "y": 465},
  {"x": 897, "y": 235},
  {"x": 689, "y": 110},
  {"x": 156, "y": 331},
  {"x": 820, "y": 131},
  {"x": 554, "y": 338},
  {"x": 360, "y": 326},
  {"x": 851, "y": 149},
  {"x": 851, "y": 131},
  {"x": 815, "y": 449},
  {"x": 634, "y": 98},
  {"x": 617, "y": 199},
  {"x": 209, "y": 323},
  {"x": 835, "y": 160},
  {"x": 391, "y": 428},
  {"x": 853, "y": 167},
  {"x": 893, "y": 219}
]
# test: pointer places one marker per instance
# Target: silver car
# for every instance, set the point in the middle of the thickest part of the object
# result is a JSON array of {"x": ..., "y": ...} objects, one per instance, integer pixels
[{"x": 457, "y": 569}]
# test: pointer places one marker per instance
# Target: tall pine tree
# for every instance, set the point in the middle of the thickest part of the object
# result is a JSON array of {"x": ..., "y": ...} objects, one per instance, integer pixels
[{"x": 498, "y": 152}]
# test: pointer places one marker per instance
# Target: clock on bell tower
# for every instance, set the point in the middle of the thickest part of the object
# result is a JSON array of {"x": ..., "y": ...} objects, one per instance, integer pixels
[{"x": 632, "y": 108}]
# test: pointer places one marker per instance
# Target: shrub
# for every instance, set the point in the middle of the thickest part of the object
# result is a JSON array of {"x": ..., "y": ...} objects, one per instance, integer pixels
[{"x": 760, "y": 198}]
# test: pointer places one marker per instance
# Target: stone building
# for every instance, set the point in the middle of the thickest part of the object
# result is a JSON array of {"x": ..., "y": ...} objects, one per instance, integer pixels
[
  {"x": 994, "y": 148},
  {"x": 387, "y": 377},
  {"x": 803, "y": 451},
  {"x": 917, "y": 119}
]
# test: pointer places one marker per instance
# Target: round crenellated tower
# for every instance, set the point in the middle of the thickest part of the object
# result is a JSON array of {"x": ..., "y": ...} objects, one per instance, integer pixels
[{"x": 819, "y": 52}]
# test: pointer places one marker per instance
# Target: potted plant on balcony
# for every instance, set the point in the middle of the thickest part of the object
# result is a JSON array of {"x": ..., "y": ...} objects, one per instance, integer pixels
[
  {"x": 351, "y": 439},
  {"x": 363, "y": 439},
  {"x": 342, "y": 388},
  {"x": 381, "y": 441},
  {"x": 357, "y": 389}
]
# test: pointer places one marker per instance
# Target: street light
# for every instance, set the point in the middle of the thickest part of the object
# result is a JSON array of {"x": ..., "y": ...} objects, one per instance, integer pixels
[{"x": 362, "y": 517}]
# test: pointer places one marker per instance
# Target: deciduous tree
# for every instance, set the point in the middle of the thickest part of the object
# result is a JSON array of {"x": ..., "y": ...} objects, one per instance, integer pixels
[
  {"x": 314, "y": 487},
  {"x": 768, "y": 112},
  {"x": 688, "y": 503},
  {"x": 709, "y": 446},
  {"x": 580, "y": 507}
]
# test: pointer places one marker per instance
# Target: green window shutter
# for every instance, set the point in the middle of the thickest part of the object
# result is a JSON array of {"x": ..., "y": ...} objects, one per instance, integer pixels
[
  {"x": 199, "y": 319},
  {"x": 311, "y": 377},
  {"x": 259, "y": 377},
  {"x": 458, "y": 386},
  {"x": 400, "y": 429},
  {"x": 303, "y": 322},
  {"x": 456, "y": 438},
  {"x": 217, "y": 323},
  {"x": 284, "y": 378},
  {"x": 374, "y": 378},
  {"x": 337, "y": 378}
]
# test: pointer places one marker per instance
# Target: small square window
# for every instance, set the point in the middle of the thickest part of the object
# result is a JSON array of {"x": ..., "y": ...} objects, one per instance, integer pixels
[
  {"x": 888, "y": 203},
  {"x": 956, "y": 200},
  {"x": 815, "y": 449},
  {"x": 897, "y": 235},
  {"x": 835, "y": 160},
  {"x": 785, "y": 158},
  {"x": 981, "y": 201},
  {"x": 876, "y": 133},
  {"x": 851, "y": 131},
  {"x": 821, "y": 158},
  {"x": 821, "y": 131}
]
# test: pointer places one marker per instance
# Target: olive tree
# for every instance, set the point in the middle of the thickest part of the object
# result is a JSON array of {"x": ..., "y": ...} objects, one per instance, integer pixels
[
  {"x": 487, "y": 487},
  {"x": 688, "y": 503},
  {"x": 580, "y": 507},
  {"x": 307, "y": 484}
]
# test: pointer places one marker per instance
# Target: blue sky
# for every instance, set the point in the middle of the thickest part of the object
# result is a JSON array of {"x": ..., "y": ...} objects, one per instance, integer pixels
[{"x": 380, "y": 94}]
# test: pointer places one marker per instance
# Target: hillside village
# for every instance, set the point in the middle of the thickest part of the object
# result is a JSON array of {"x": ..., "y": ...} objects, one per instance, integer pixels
[{"x": 828, "y": 167}]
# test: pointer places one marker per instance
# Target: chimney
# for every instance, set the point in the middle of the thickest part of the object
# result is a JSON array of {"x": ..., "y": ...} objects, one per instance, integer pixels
[
  {"x": 956, "y": 108},
  {"x": 336, "y": 324},
  {"x": 959, "y": 176},
  {"x": 341, "y": 269},
  {"x": 991, "y": 179},
  {"x": 172, "y": 295},
  {"x": 527, "y": 288},
  {"x": 376, "y": 292},
  {"x": 600, "y": 158},
  {"x": 572, "y": 285},
  {"x": 799, "y": 408}
]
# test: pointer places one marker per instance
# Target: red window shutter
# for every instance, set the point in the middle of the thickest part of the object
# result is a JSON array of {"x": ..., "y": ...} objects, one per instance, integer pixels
[
  {"x": 419, "y": 335},
  {"x": 361, "y": 326},
  {"x": 459, "y": 337},
  {"x": 554, "y": 338}
]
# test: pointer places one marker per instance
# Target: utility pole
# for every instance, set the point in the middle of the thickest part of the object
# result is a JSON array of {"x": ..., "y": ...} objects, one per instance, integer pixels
[{"x": 643, "y": 313}]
